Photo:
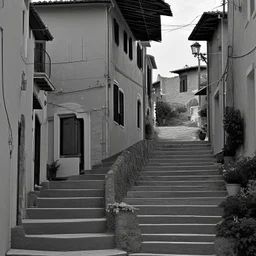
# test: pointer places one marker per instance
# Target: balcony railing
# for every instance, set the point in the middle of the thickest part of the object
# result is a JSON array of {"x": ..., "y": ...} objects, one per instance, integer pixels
[{"x": 42, "y": 63}]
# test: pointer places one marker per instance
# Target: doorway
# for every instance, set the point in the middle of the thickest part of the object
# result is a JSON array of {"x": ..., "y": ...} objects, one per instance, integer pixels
[
  {"x": 72, "y": 139},
  {"x": 37, "y": 153}
]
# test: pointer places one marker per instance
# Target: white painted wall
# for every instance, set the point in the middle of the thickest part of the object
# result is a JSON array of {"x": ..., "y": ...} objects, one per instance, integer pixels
[
  {"x": 17, "y": 103},
  {"x": 81, "y": 60},
  {"x": 216, "y": 88},
  {"x": 78, "y": 64},
  {"x": 130, "y": 80},
  {"x": 242, "y": 37}
]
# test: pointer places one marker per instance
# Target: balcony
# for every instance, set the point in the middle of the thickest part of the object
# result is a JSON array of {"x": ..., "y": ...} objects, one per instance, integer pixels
[{"x": 42, "y": 70}]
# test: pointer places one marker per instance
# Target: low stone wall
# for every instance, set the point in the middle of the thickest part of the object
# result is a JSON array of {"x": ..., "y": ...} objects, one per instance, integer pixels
[
  {"x": 124, "y": 172},
  {"x": 127, "y": 232}
]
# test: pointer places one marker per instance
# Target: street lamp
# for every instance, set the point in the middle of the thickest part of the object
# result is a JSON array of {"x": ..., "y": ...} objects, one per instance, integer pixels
[{"x": 196, "y": 52}]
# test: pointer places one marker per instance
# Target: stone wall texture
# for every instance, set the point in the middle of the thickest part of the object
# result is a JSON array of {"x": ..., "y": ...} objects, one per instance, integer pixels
[
  {"x": 124, "y": 172},
  {"x": 127, "y": 232}
]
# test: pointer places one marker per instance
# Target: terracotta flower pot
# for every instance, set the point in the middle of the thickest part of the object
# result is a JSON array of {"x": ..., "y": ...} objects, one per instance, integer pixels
[
  {"x": 233, "y": 189},
  {"x": 202, "y": 136}
]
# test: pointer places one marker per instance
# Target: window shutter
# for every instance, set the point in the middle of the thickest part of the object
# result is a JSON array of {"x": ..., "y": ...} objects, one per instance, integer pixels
[
  {"x": 125, "y": 42},
  {"x": 181, "y": 86},
  {"x": 116, "y": 32},
  {"x": 130, "y": 49},
  {"x": 138, "y": 113},
  {"x": 121, "y": 108},
  {"x": 115, "y": 102},
  {"x": 149, "y": 80}
]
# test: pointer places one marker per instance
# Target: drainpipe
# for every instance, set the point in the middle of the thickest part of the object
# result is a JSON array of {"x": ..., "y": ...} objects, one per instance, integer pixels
[
  {"x": 223, "y": 65},
  {"x": 107, "y": 80}
]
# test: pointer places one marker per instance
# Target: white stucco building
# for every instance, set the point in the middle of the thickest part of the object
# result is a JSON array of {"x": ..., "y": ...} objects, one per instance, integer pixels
[
  {"x": 209, "y": 29},
  {"x": 99, "y": 70},
  {"x": 23, "y": 128}
]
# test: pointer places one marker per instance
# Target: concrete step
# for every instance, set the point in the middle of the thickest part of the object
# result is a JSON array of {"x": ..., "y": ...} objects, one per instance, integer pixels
[
  {"x": 72, "y": 193},
  {"x": 64, "y": 213},
  {"x": 64, "y": 226},
  {"x": 66, "y": 242},
  {"x": 109, "y": 252},
  {"x": 175, "y": 194},
  {"x": 175, "y": 201},
  {"x": 180, "y": 167},
  {"x": 88, "y": 177},
  {"x": 200, "y": 210},
  {"x": 87, "y": 184},
  {"x": 200, "y": 248},
  {"x": 183, "y": 142},
  {"x": 165, "y": 161},
  {"x": 71, "y": 202},
  {"x": 196, "y": 178},
  {"x": 185, "y": 151},
  {"x": 178, "y": 163},
  {"x": 179, "y": 173},
  {"x": 211, "y": 183},
  {"x": 175, "y": 188},
  {"x": 96, "y": 171},
  {"x": 181, "y": 154},
  {"x": 181, "y": 219},
  {"x": 158, "y": 254},
  {"x": 103, "y": 165},
  {"x": 179, "y": 237},
  {"x": 178, "y": 228}
]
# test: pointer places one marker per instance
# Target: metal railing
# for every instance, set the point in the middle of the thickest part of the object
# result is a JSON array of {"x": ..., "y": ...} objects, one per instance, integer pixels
[{"x": 42, "y": 63}]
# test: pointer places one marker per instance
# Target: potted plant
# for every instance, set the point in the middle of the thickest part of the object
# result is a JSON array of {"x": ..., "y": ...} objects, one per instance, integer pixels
[
  {"x": 52, "y": 170},
  {"x": 234, "y": 128},
  {"x": 233, "y": 180},
  {"x": 201, "y": 133},
  {"x": 149, "y": 130}
]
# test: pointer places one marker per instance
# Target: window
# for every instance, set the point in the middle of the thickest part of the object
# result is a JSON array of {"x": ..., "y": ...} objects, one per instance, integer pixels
[
  {"x": 139, "y": 56},
  {"x": 149, "y": 81},
  {"x": 23, "y": 23},
  {"x": 116, "y": 32},
  {"x": 118, "y": 105},
  {"x": 71, "y": 136},
  {"x": 183, "y": 84},
  {"x": 139, "y": 113},
  {"x": 125, "y": 42},
  {"x": 252, "y": 7},
  {"x": 130, "y": 49}
]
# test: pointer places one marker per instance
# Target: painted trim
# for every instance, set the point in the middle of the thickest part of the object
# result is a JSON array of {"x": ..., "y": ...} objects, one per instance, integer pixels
[{"x": 74, "y": 109}]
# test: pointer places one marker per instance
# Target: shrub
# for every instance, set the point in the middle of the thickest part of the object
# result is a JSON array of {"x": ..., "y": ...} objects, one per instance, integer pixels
[
  {"x": 234, "y": 127},
  {"x": 232, "y": 176},
  {"x": 120, "y": 207},
  {"x": 243, "y": 231},
  {"x": 179, "y": 107},
  {"x": 239, "y": 207},
  {"x": 164, "y": 112},
  {"x": 202, "y": 112}
]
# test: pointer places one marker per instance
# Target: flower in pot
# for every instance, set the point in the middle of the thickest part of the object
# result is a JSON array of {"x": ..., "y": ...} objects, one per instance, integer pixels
[
  {"x": 201, "y": 133},
  {"x": 233, "y": 179},
  {"x": 52, "y": 170}
]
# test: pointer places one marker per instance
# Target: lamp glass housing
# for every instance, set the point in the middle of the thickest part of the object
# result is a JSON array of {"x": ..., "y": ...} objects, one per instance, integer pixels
[{"x": 195, "y": 48}]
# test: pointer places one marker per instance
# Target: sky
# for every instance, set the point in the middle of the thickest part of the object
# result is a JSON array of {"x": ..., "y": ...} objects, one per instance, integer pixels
[{"x": 174, "y": 51}]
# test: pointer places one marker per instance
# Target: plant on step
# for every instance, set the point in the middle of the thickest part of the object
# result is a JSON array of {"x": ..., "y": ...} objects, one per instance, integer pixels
[
  {"x": 242, "y": 231},
  {"x": 234, "y": 127},
  {"x": 241, "y": 206},
  {"x": 52, "y": 170},
  {"x": 120, "y": 207},
  {"x": 232, "y": 176}
]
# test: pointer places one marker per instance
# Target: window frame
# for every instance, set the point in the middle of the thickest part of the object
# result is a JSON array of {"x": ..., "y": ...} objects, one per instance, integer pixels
[
  {"x": 139, "y": 112},
  {"x": 130, "y": 48},
  {"x": 139, "y": 56},
  {"x": 183, "y": 86},
  {"x": 118, "y": 105},
  {"x": 116, "y": 32},
  {"x": 125, "y": 41}
]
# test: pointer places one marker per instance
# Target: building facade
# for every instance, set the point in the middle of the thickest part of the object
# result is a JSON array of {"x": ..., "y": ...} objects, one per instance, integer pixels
[
  {"x": 213, "y": 37},
  {"x": 99, "y": 63},
  {"x": 23, "y": 93}
]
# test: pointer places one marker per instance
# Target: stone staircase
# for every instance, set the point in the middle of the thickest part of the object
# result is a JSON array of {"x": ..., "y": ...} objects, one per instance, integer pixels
[
  {"x": 178, "y": 195},
  {"x": 68, "y": 220}
]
